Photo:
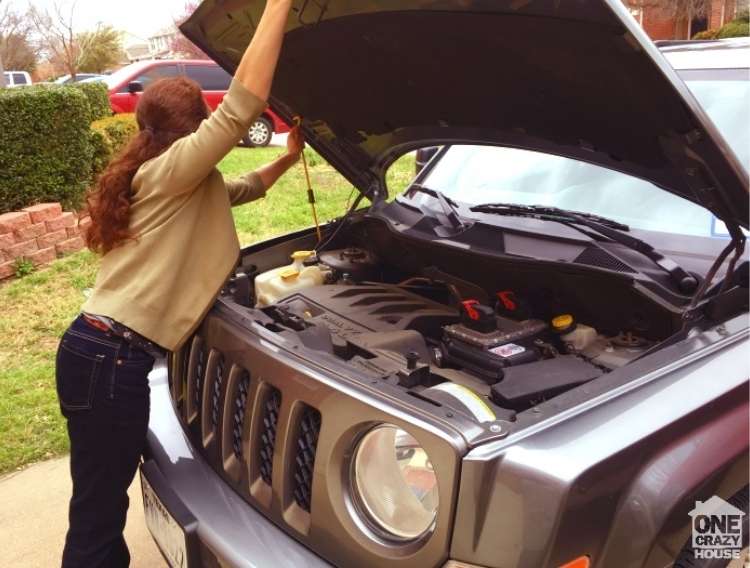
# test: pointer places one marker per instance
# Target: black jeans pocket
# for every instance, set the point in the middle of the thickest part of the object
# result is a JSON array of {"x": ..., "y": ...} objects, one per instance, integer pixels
[{"x": 77, "y": 375}]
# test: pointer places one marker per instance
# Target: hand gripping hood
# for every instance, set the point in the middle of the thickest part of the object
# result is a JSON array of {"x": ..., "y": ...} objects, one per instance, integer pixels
[{"x": 576, "y": 78}]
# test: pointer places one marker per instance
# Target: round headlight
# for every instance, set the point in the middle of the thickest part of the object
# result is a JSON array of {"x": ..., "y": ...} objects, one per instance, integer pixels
[{"x": 394, "y": 483}]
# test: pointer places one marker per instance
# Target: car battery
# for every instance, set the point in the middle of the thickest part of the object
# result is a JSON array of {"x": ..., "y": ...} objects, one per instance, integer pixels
[{"x": 484, "y": 343}]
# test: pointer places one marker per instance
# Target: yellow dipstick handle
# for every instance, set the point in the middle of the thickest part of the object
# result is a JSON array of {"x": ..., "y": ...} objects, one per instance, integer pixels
[{"x": 310, "y": 192}]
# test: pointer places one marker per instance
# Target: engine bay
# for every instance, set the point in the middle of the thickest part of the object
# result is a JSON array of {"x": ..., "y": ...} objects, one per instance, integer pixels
[{"x": 488, "y": 355}]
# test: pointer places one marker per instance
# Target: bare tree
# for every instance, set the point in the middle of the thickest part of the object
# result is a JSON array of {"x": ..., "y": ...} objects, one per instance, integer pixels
[
  {"x": 3, "y": 12},
  {"x": 17, "y": 50},
  {"x": 182, "y": 45},
  {"x": 57, "y": 37},
  {"x": 689, "y": 10}
]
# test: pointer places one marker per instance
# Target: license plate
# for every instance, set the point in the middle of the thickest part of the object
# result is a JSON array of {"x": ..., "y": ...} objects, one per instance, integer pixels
[{"x": 167, "y": 532}]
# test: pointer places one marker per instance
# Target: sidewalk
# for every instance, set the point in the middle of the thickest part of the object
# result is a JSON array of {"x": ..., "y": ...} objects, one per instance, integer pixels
[{"x": 34, "y": 517}]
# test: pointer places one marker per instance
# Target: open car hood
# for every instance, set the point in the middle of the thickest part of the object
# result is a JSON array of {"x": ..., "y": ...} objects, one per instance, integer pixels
[{"x": 577, "y": 78}]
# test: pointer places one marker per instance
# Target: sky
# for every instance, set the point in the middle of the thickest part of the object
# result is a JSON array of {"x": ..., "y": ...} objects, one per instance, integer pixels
[{"x": 138, "y": 17}]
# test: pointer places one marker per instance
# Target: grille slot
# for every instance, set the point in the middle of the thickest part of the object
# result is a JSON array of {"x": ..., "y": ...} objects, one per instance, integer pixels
[
  {"x": 216, "y": 392},
  {"x": 304, "y": 459},
  {"x": 238, "y": 416},
  {"x": 267, "y": 439},
  {"x": 594, "y": 256},
  {"x": 200, "y": 375}
]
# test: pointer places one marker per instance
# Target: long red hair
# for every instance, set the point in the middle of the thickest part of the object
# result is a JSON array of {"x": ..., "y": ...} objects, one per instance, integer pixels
[{"x": 168, "y": 110}]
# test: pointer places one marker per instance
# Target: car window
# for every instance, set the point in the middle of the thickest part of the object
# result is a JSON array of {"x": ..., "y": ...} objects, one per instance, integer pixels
[
  {"x": 209, "y": 77},
  {"x": 724, "y": 94},
  {"x": 153, "y": 74},
  {"x": 19, "y": 79},
  {"x": 481, "y": 174}
]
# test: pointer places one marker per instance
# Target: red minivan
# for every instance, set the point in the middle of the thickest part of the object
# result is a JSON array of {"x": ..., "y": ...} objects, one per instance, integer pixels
[{"x": 126, "y": 85}]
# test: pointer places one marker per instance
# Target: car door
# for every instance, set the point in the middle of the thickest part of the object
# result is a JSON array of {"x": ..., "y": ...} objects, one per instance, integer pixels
[
  {"x": 126, "y": 100},
  {"x": 214, "y": 81}
]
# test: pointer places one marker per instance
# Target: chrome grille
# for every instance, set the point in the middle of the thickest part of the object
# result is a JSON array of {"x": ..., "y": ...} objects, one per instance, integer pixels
[
  {"x": 304, "y": 460},
  {"x": 270, "y": 409},
  {"x": 258, "y": 422},
  {"x": 238, "y": 417},
  {"x": 216, "y": 392},
  {"x": 200, "y": 373}
]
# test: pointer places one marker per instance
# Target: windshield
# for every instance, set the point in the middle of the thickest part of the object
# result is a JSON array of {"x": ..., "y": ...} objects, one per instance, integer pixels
[{"x": 481, "y": 174}]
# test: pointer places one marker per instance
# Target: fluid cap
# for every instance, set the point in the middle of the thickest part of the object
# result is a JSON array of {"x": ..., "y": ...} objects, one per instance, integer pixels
[
  {"x": 563, "y": 323},
  {"x": 289, "y": 273},
  {"x": 302, "y": 255}
]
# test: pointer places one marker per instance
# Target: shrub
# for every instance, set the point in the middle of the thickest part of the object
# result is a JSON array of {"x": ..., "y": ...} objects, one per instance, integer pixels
[
  {"x": 109, "y": 136},
  {"x": 45, "y": 146},
  {"x": 707, "y": 34},
  {"x": 98, "y": 98},
  {"x": 119, "y": 129},
  {"x": 23, "y": 267},
  {"x": 735, "y": 28}
]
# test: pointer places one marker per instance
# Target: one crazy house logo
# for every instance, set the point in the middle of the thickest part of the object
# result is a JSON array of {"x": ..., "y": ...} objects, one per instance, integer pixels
[{"x": 717, "y": 529}]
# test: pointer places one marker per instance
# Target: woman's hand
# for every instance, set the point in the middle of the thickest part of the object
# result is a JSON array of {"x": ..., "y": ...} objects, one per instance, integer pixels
[{"x": 295, "y": 143}]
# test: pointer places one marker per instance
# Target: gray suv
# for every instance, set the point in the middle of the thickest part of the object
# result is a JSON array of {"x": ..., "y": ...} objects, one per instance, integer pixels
[{"x": 536, "y": 356}]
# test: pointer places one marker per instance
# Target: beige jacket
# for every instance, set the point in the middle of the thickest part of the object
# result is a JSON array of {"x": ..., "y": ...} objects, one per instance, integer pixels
[{"x": 162, "y": 283}]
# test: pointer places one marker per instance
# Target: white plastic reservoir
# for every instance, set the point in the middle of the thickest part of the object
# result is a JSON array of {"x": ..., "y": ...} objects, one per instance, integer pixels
[{"x": 276, "y": 284}]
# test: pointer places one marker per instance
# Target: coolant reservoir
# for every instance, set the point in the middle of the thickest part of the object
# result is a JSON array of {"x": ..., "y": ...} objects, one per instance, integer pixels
[
  {"x": 576, "y": 336},
  {"x": 581, "y": 337},
  {"x": 272, "y": 286}
]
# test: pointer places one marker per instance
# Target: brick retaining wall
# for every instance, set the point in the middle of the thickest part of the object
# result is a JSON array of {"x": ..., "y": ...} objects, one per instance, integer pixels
[{"x": 40, "y": 233}]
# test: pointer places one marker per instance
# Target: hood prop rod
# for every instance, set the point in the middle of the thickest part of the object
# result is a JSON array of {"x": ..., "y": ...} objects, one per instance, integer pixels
[{"x": 310, "y": 192}]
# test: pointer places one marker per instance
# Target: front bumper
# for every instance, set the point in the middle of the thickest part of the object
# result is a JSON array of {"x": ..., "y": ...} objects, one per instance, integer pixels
[{"x": 229, "y": 531}]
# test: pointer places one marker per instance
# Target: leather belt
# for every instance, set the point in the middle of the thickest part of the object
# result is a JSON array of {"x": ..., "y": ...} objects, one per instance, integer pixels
[{"x": 124, "y": 332}]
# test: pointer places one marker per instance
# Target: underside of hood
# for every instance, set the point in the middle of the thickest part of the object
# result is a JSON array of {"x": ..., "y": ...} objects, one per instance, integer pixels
[{"x": 576, "y": 78}]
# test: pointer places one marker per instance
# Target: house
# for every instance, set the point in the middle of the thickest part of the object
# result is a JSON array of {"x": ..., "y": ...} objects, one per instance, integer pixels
[
  {"x": 160, "y": 44},
  {"x": 661, "y": 25}
]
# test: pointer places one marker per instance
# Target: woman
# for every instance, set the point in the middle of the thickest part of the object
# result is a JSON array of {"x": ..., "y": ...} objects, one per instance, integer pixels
[{"x": 161, "y": 217}]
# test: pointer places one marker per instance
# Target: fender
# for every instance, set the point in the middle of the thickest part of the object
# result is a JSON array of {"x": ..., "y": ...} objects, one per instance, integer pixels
[{"x": 693, "y": 467}]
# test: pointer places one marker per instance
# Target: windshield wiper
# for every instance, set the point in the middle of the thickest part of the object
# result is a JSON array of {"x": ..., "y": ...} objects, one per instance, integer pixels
[
  {"x": 613, "y": 230},
  {"x": 450, "y": 207}
]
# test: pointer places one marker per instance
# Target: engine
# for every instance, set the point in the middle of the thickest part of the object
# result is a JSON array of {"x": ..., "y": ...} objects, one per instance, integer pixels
[{"x": 425, "y": 334}]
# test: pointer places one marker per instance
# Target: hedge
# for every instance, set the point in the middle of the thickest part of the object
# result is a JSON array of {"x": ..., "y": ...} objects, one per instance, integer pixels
[
  {"x": 707, "y": 34},
  {"x": 45, "y": 146},
  {"x": 737, "y": 28},
  {"x": 98, "y": 98},
  {"x": 109, "y": 136}
]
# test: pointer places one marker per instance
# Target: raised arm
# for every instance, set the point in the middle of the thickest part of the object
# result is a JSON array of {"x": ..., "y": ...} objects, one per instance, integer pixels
[
  {"x": 192, "y": 158},
  {"x": 258, "y": 65}
]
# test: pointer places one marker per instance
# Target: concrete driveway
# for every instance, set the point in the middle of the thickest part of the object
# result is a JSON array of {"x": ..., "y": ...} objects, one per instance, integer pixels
[{"x": 34, "y": 518}]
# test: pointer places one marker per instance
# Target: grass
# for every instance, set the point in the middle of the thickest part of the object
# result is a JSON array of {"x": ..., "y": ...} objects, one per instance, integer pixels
[{"x": 36, "y": 309}]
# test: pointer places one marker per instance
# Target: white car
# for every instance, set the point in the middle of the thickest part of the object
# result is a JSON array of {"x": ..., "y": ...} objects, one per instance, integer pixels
[{"x": 17, "y": 78}]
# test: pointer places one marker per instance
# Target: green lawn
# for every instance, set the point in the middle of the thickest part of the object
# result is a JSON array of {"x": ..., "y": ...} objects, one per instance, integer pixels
[{"x": 35, "y": 310}]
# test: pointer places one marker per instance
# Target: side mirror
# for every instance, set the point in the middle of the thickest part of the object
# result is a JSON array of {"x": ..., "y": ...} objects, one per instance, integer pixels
[{"x": 135, "y": 87}]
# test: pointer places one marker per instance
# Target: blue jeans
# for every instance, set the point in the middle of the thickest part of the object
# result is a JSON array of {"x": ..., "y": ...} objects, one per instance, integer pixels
[{"x": 102, "y": 386}]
